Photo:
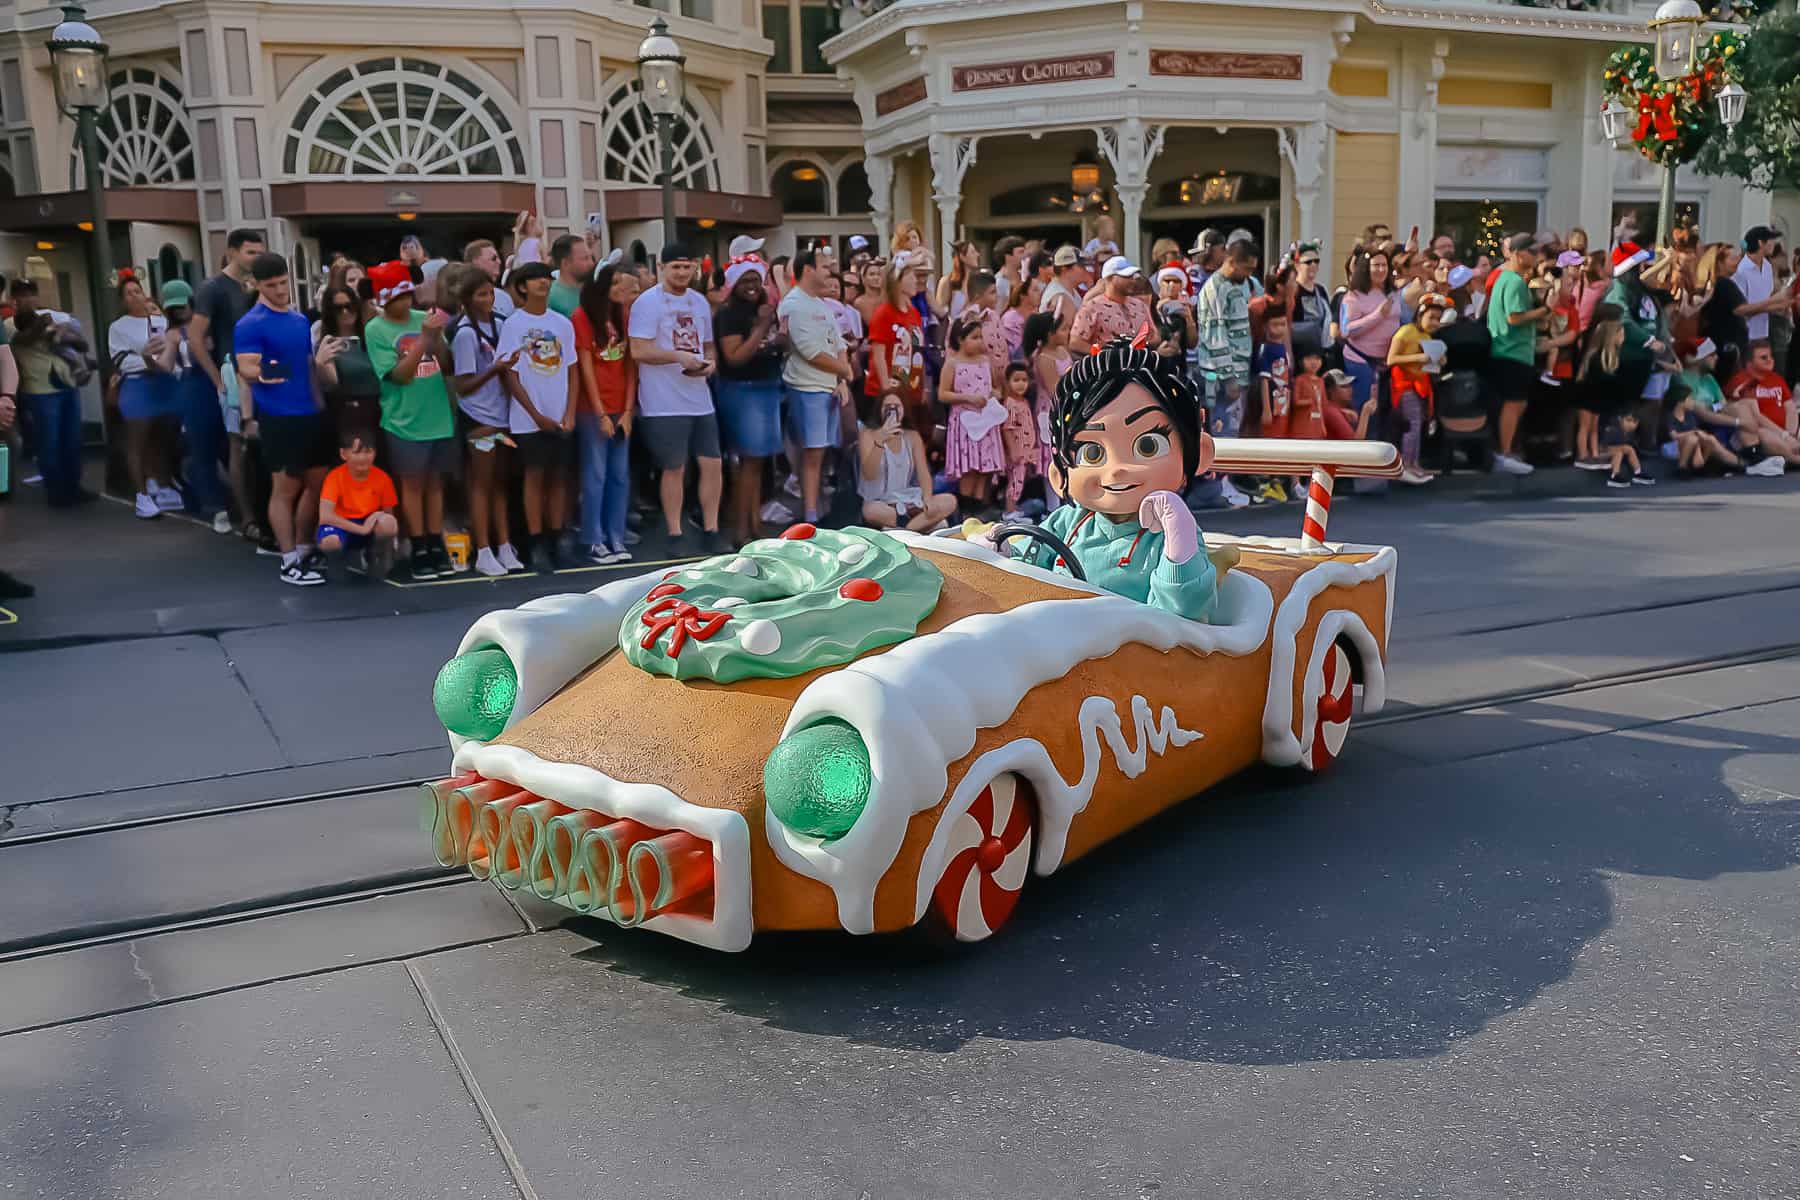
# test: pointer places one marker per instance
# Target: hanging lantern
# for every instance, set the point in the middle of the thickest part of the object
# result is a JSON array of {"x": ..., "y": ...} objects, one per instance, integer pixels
[
  {"x": 1615, "y": 124},
  {"x": 1731, "y": 104}
]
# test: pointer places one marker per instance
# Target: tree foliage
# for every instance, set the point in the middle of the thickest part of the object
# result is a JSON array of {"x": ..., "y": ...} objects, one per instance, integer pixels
[{"x": 1765, "y": 148}]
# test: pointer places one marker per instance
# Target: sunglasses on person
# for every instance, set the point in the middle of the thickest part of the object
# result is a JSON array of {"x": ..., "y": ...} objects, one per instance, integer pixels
[{"x": 1309, "y": 262}]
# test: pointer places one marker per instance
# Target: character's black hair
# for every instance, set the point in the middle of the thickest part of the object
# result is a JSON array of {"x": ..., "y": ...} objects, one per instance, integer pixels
[{"x": 1096, "y": 381}]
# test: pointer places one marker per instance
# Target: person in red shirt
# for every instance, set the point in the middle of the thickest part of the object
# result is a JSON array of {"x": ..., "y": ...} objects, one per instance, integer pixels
[
  {"x": 1761, "y": 397},
  {"x": 356, "y": 506},
  {"x": 897, "y": 342}
]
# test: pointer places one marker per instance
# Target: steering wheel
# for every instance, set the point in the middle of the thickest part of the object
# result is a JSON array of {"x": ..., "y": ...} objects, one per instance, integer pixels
[{"x": 1037, "y": 533}]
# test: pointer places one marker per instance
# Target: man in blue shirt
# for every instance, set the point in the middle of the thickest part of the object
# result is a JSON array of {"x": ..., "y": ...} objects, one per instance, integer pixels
[{"x": 273, "y": 346}]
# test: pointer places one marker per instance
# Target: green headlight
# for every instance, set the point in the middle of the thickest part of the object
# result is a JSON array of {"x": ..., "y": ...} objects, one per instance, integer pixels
[
  {"x": 817, "y": 780},
  {"x": 475, "y": 693}
]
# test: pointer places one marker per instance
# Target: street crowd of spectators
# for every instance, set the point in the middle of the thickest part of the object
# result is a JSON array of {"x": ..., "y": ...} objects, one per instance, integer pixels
[{"x": 558, "y": 408}]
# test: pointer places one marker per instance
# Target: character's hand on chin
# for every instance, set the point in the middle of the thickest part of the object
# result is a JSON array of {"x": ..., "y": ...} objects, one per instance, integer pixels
[{"x": 1164, "y": 513}]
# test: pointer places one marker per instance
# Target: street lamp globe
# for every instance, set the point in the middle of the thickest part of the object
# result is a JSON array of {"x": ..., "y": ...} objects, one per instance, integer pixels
[
  {"x": 1731, "y": 104},
  {"x": 660, "y": 62},
  {"x": 79, "y": 60},
  {"x": 1677, "y": 27},
  {"x": 1615, "y": 124}
]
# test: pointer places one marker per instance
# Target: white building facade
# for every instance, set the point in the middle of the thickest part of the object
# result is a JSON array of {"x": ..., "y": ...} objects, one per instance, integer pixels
[{"x": 1313, "y": 118}]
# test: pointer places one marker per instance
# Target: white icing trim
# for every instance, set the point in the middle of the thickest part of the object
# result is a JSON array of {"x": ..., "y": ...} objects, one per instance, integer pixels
[
  {"x": 1340, "y": 622},
  {"x": 919, "y": 706},
  {"x": 582, "y": 787},
  {"x": 552, "y": 639},
  {"x": 1058, "y": 801},
  {"x": 1280, "y": 747}
]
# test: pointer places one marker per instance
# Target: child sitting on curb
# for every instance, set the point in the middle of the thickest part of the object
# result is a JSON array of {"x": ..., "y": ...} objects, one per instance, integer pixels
[{"x": 356, "y": 507}]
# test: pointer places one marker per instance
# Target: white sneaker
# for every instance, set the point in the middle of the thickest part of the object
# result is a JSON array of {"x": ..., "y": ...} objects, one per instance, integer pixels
[
  {"x": 509, "y": 558},
  {"x": 777, "y": 513},
  {"x": 487, "y": 564},
  {"x": 601, "y": 555},
  {"x": 621, "y": 554},
  {"x": 148, "y": 509},
  {"x": 1233, "y": 497},
  {"x": 1414, "y": 478},
  {"x": 167, "y": 498},
  {"x": 221, "y": 522},
  {"x": 1509, "y": 465},
  {"x": 1771, "y": 467}
]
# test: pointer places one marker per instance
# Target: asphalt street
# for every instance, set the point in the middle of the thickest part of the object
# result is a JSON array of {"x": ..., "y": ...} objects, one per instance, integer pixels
[{"x": 1533, "y": 937}]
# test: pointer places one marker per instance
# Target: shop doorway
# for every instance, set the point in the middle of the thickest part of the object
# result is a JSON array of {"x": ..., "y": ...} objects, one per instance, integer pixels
[{"x": 376, "y": 239}]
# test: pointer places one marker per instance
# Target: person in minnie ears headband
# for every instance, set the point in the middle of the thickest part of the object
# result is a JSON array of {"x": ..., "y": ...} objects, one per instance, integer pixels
[
  {"x": 1128, "y": 433},
  {"x": 143, "y": 364},
  {"x": 1414, "y": 358},
  {"x": 407, "y": 348}
]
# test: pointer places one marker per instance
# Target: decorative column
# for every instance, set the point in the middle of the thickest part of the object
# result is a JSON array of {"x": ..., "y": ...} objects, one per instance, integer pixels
[
  {"x": 1422, "y": 69},
  {"x": 951, "y": 157},
  {"x": 1303, "y": 146},
  {"x": 880, "y": 170},
  {"x": 1130, "y": 147},
  {"x": 220, "y": 64}
]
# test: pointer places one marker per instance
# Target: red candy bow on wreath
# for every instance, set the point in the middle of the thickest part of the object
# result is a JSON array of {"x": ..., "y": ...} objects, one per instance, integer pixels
[
  {"x": 679, "y": 619},
  {"x": 1674, "y": 117}
]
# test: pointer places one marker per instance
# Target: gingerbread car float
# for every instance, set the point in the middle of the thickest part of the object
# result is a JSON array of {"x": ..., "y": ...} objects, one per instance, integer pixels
[{"x": 865, "y": 731}]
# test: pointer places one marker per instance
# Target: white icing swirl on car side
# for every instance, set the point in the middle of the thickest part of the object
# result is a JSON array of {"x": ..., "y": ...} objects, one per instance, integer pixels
[
  {"x": 919, "y": 705},
  {"x": 552, "y": 639},
  {"x": 1058, "y": 800},
  {"x": 1281, "y": 748}
]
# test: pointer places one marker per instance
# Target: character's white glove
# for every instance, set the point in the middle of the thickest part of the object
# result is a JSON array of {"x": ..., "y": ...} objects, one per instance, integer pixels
[{"x": 1164, "y": 513}]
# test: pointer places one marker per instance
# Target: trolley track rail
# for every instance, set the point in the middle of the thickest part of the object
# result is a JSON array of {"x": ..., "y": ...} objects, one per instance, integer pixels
[{"x": 428, "y": 874}]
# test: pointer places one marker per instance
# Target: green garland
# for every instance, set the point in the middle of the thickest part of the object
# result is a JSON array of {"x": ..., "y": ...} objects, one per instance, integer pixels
[{"x": 1672, "y": 119}]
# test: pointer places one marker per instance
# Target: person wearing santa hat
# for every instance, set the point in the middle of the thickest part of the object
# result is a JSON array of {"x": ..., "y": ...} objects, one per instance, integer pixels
[
  {"x": 408, "y": 351},
  {"x": 1646, "y": 325}
]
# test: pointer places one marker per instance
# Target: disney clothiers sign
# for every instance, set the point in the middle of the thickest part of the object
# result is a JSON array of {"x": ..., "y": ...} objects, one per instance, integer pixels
[{"x": 1026, "y": 71}]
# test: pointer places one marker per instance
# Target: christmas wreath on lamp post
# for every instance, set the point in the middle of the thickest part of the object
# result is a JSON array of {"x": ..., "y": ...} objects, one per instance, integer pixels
[{"x": 1668, "y": 120}]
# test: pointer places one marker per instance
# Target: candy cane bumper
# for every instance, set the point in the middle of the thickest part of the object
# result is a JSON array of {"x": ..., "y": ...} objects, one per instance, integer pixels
[{"x": 635, "y": 854}]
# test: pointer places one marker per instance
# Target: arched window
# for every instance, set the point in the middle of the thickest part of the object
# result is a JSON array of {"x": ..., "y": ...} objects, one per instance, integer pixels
[
  {"x": 401, "y": 116},
  {"x": 633, "y": 155},
  {"x": 801, "y": 187},
  {"x": 144, "y": 133},
  {"x": 854, "y": 196}
]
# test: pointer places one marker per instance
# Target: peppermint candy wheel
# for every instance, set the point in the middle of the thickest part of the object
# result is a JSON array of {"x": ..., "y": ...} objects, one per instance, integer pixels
[
  {"x": 1330, "y": 710},
  {"x": 990, "y": 855}
]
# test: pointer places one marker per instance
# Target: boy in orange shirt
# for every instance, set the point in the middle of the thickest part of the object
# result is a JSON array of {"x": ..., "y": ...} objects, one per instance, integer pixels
[{"x": 356, "y": 507}]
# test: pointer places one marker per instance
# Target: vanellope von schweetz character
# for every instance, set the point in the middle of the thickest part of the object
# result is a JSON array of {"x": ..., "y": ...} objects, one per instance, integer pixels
[{"x": 1128, "y": 439}]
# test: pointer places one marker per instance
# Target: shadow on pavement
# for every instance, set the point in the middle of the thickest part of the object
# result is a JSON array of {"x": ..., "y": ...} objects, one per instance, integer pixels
[{"x": 1377, "y": 914}]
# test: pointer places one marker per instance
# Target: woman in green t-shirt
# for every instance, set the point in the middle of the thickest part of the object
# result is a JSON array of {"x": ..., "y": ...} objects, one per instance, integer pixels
[{"x": 411, "y": 358}]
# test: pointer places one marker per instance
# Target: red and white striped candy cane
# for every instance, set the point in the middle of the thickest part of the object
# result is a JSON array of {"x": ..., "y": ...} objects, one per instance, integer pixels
[{"x": 1318, "y": 509}]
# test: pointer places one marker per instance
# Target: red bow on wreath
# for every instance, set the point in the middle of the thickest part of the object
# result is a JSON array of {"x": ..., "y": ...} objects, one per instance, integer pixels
[
  {"x": 1656, "y": 112},
  {"x": 681, "y": 621}
]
